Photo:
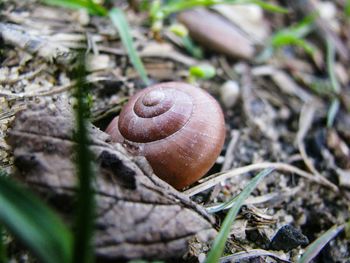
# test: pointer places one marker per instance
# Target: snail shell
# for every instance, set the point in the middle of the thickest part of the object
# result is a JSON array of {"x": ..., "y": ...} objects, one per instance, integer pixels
[{"x": 179, "y": 128}]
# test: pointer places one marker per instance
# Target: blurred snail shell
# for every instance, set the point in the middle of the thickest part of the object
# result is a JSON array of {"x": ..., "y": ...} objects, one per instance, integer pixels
[{"x": 179, "y": 128}]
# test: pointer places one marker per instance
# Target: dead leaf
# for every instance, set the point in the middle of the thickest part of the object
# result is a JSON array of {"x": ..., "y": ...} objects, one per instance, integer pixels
[{"x": 138, "y": 215}]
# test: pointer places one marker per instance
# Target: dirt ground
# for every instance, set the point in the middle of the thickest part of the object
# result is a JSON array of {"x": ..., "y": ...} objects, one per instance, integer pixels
[{"x": 278, "y": 103}]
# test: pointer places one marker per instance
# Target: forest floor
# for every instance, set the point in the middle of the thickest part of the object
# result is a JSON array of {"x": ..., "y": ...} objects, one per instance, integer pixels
[{"x": 286, "y": 104}]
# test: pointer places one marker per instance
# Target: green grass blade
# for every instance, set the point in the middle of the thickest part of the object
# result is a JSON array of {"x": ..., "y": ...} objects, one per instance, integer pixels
[
  {"x": 221, "y": 206},
  {"x": 265, "y": 5},
  {"x": 330, "y": 66},
  {"x": 90, "y": 6},
  {"x": 332, "y": 112},
  {"x": 336, "y": 88},
  {"x": 83, "y": 251},
  {"x": 33, "y": 223},
  {"x": 219, "y": 242},
  {"x": 163, "y": 11},
  {"x": 286, "y": 38},
  {"x": 295, "y": 35},
  {"x": 347, "y": 8},
  {"x": 315, "y": 247},
  {"x": 178, "y": 6},
  {"x": 119, "y": 21},
  {"x": 192, "y": 48}
]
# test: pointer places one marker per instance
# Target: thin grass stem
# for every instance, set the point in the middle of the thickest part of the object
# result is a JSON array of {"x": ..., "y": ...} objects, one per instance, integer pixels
[{"x": 83, "y": 231}]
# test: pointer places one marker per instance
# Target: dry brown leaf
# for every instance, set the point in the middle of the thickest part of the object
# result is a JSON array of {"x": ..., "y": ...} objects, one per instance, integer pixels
[{"x": 138, "y": 215}]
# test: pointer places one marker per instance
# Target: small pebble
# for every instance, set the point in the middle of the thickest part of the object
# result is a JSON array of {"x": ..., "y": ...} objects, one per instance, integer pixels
[
  {"x": 98, "y": 62},
  {"x": 288, "y": 238},
  {"x": 328, "y": 11},
  {"x": 344, "y": 177},
  {"x": 229, "y": 93},
  {"x": 201, "y": 257},
  {"x": 82, "y": 16}
]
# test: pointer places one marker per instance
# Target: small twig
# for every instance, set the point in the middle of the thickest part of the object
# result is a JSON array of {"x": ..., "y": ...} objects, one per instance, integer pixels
[
  {"x": 148, "y": 53},
  {"x": 253, "y": 200},
  {"x": 26, "y": 76},
  {"x": 264, "y": 120},
  {"x": 284, "y": 81},
  {"x": 220, "y": 177},
  {"x": 10, "y": 113},
  {"x": 229, "y": 157},
  {"x": 56, "y": 90},
  {"x": 227, "y": 68},
  {"x": 306, "y": 117}
]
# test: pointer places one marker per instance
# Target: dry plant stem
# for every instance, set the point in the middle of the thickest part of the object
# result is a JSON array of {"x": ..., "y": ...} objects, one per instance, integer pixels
[
  {"x": 264, "y": 121},
  {"x": 229, "y": 157},
  {"x": 12, "y": 112},
  {"x": 26, "y": 76},
  {"x": 56, "y": 90},
  {"x": 217, "y": 178},
  {"x": 227, "y": 68},
  {"x": 253, "y": 200},
  {"x": 305, "y": 122},
  {"x": 160, "y": 53},
  {"x": 283, "y": 80}
]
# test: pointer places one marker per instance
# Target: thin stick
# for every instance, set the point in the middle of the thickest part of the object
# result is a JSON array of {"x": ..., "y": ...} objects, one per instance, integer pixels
[
  {"x": 229, "y": 157},
  {"x": 220, "y": 177},
  {"x": 26, "y": 76},
  {"x": 56, "y": 90},
  {"x": 306, "y": 116}
]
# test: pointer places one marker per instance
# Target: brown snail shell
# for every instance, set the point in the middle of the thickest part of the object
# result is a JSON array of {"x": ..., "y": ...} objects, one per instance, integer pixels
[{"x": 179, "y": 128}]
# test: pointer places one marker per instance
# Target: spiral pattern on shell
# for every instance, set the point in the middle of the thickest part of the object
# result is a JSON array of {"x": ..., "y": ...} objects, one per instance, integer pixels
[{"x": 179, "y": 128}]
